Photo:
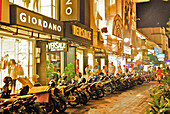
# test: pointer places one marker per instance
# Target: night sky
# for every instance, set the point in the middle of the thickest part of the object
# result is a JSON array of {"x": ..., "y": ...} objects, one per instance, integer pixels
[{"x": 153, "y": 14}]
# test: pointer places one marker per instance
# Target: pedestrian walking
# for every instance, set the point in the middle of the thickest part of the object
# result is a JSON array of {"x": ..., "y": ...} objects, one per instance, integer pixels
[
  {"x": 159, "y": 74},
  {"x": 119, "y": 69},
  {"x": 112, "y": 69},
  {"x": 104, "y": 70},
  {"x": 98, "y": 66},
  {"x": 96, "y": 71},
  {"x": 87, "y": 71}
]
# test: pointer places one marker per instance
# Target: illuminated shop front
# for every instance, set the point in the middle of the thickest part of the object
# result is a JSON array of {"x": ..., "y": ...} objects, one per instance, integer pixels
[
  {"x": 24, "y": 39},
  {"x": 55, "y": 51},
  {"x": 21, "y": 50},
  {"x": 80, "y": 37}
]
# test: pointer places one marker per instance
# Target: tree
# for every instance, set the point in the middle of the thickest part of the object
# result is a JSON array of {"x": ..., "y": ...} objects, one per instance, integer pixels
[
  {"x": 70, "y": 71},
  {"x": 50, "y": 69}
]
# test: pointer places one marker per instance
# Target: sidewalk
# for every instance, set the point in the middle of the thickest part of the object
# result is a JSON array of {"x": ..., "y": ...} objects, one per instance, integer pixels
[{"x": 128, "y": 102}]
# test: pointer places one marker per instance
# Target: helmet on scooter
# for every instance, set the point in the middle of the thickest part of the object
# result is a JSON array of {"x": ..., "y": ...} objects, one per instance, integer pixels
[{"x": 7, "y": 79}]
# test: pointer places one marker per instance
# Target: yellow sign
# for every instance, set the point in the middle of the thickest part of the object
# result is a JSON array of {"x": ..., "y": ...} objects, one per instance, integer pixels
[
  {"x": 146, "y": 58},
  {"x": 70, "y": 10},
  {"x": 4, "y": 14},
  {"x": 78, "y": 31}
]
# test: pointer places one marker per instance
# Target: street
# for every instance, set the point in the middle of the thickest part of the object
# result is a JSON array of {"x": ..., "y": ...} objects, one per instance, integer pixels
[{"x": 131, "y": 101}]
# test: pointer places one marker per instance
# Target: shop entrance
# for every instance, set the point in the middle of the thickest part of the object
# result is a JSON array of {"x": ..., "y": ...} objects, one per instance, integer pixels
[{"x": 79, "y": 61}]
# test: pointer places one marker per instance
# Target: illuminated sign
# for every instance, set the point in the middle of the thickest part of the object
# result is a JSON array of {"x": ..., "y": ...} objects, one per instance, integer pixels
[
  {"x": 161, "y": 56},
  {"x": 78, "y": 31},
  {"x": 127, "y": 50},
  {"x": 57, "y": 46},
  {"x": 70, "y": 10},
  {"x": 26, "y": 18},
  {"x": 99, "y": 55}
]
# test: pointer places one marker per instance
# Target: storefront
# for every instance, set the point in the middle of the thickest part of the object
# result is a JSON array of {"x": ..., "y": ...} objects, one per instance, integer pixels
[
  {"x": 80, "y": 38},
  {"x": 25, "y": 38},
  {"x": 101, "y": 58},
  {"x": 15, "y": 47},
  {"x": 55, "y": 50}
]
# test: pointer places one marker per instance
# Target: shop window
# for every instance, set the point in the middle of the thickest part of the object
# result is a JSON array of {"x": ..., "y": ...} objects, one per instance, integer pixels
[
  {"x": 21, "y": 51},
  {"x": 45, "y": 7}
]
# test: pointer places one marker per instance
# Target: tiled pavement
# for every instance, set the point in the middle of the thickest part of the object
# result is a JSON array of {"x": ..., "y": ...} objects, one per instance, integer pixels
[{"x": 126, "y": 102}]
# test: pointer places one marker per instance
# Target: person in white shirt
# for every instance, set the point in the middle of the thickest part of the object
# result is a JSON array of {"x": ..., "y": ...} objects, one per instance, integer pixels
[{"x": 112, "y": 69}]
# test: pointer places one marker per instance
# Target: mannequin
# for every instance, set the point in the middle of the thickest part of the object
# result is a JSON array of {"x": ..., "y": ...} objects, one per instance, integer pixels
[{"x": 35, "y": 4}]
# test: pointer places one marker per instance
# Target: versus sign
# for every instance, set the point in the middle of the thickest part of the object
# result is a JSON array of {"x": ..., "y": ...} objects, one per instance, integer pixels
[
  {"x": 57, "y": 46},
  {"x": 26, "y": 18},
  {"x": 70, "y": 10}
]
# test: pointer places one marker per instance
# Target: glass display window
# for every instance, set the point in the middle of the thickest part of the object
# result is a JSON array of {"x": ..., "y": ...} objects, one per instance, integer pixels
[{"x": 21, "y": 51}]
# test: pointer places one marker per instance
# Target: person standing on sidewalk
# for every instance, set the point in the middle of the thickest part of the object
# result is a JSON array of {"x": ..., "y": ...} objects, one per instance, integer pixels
[
  {"x": 112, "y": 69},
  {"x": 159, "y": 74},
  {"x": 87, "y": 70}
]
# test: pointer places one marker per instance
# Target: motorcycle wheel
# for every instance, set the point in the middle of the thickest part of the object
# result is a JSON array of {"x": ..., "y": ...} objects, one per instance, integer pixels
[
  {"x": 77, "y": 101},
  {"x": 83, "y": 98},
  {"x": 61, "y": 105},
  {"x": 107, "y": 89},
  {"x": 88, "y": 96},
  {"x": 50, "y": 107},
  {"x": 100, "y": 92}
]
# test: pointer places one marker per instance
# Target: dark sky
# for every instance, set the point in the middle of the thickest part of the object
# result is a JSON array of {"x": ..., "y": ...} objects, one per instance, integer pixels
[{"x": 153, "y": 14}]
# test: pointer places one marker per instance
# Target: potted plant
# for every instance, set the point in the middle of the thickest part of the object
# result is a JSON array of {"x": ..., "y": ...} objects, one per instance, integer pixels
[
  {"x": 70, "y": 71},
  {"x": 50, "y": 70}
]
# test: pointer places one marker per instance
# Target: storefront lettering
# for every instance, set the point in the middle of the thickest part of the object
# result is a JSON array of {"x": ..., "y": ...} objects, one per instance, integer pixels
[
  {"x": 78, "y": 31},
  {"x": 69, "y": 9},
  {"x": 39, "y": 22},
  {"x": 100, "y": 55},
  {"x": 57, "y": 46}
]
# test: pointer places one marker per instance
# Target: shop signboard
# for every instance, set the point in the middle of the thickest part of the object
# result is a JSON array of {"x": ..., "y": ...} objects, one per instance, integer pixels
[
  {"x": 57, "y": 46},
  {"x": 127, "y": 50},
  {"x": 79, "y": 33},
  {"x": 161, "y": 56},
  {"x": 70, "y": 10},
  {"x": 4, "y": 11},
  {"x": 168, "y": 62},
  {"x": 99, "y": 55},
  {"x": 146, "y": 58},
  {"x": 23, "y": 17},
  {"x": 157, "y": 50}
]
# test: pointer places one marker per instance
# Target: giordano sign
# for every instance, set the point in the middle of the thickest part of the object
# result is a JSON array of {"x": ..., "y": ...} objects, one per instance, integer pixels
[
  {"x": 57, "y": 46},
  {"x": 29, "y": 19},
  {"x": 70, "y": 10}
]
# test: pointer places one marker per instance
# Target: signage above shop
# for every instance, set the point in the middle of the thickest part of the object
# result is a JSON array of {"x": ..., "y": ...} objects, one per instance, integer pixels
[
  {"x": 100, "y": 55},
  {"x": 23, "y": 17},
  {"x": 146, "y": 58},
  {"x": 127, "y": 50},
  {"x": 57, "y": 46},
  {"x": 70, "y": 10},
  {"x": 4, "y": 11},
  {"x": 161, "y": 56},
  {"x": 79, "y": 33}
]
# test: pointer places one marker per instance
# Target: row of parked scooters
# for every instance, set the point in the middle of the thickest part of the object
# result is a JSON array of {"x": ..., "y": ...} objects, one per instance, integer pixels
[{"x": 49, "y": 99}]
